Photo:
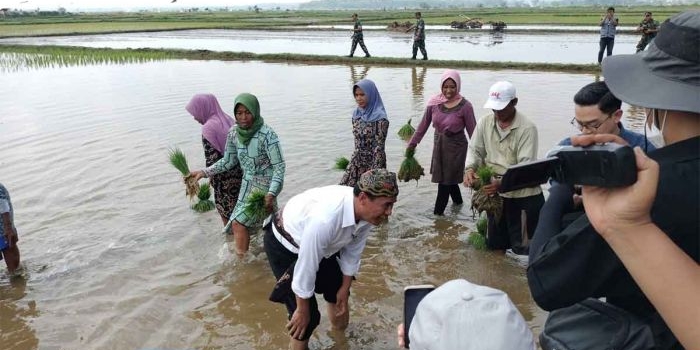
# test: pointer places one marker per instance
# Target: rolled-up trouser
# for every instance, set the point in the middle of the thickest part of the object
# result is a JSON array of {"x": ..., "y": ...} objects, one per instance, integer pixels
[{"x": 329, "y": 278}]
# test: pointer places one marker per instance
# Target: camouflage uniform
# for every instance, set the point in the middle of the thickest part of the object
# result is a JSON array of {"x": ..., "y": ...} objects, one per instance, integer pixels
[
  {"x": 357, "y": 39},
  {"x": 419, "y": 39},
  {"x": 646, "y": 37}
]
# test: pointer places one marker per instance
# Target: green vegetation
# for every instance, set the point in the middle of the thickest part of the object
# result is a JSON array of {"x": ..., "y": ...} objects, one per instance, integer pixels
[
  {"x": 255, "y": 206},
  {"x": 341, "y": 163},
  {"x": 407, "y": 131},
  {"x": 410, "y": 169},
  {"x": 92, "y": 23},
  {"x": 57, "y": 55},
  {"x": 478, "y": 238},
  {"x": 204, "y": 204},
  {"x": 179, "y": 161}
]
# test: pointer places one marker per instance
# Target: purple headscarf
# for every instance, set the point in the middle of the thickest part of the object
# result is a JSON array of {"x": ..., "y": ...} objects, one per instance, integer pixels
[
  {"x": 440, "y": 98},
  {"x": 375, "y": 107},
  {"x": 215, "y": 123}
]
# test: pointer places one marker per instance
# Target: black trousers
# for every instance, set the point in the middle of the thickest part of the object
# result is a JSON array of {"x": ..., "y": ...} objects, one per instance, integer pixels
[
  {"x": 419, "y": 44},
  {"x": 329, "y": 278},
  {"x": 605, "y": 43},
  {"x": 360, "y": 41},
  {"x": 508, "y": 231}
]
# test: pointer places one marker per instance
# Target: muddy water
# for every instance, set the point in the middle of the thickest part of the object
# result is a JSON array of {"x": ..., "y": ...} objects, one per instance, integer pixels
[
  {"x": 441, "y": 44},
  {"x": 114, "y": 257}
]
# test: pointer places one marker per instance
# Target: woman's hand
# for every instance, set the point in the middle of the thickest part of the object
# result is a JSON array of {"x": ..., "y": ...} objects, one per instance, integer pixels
[
  {"x": 612, "y": 210},
  {"x": 195, "y": 175},
  {"x": 269, "y": 202}
]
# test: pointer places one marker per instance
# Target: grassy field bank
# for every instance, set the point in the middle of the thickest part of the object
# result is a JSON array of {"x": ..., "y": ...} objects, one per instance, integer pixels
[
  {"x": 93, "y": 23},
  {"x": 16, "y": 57}
]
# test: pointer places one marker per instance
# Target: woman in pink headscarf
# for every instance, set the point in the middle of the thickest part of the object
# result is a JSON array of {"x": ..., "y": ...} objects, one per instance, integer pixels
[
  {"x": 215, "y": 126},
  {"x": 451, "y": 114}
]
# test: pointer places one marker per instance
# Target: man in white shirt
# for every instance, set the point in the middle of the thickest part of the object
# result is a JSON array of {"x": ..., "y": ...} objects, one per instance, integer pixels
[{"x": 314, "y": 245}]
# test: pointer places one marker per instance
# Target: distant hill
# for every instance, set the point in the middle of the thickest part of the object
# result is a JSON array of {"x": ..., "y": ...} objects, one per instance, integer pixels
[{"x": 435, "y": 4}]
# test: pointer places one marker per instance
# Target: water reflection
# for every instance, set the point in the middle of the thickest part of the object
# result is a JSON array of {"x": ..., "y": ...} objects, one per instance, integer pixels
[
  {"x": 358, "y": 72},
  {"x": 417, "y": 84},
  {"x": 15, "y": 330},
  {"x": 13, "y": 62}
]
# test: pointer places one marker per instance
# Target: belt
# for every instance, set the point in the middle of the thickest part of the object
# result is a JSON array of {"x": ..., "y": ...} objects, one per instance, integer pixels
[{"x": 279, "y": 227}]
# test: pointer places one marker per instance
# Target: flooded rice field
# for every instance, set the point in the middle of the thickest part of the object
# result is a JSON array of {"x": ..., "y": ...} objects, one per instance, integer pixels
[
  {"x": 115, "y": 259},
  {"x": 579, "y": 47}
]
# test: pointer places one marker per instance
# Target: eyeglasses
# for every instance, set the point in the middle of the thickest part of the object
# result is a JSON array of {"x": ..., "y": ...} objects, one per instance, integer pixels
[
  {"x": 591, "y": 126},
  {"x": 242, "y": 113}
]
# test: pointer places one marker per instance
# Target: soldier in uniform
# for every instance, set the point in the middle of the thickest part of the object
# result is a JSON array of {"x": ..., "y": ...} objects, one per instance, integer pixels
[
  {"x": 418, "y": 37},
  {"x": 648, "y": 27},
  {"x": 357, "y": 37}
]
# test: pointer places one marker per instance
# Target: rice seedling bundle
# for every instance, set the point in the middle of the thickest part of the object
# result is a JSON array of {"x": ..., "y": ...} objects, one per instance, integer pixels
[
  {"x": 255, "y": 206},
  {"x": 477, "y": 240},
  {"x": 204, "y": 204},
  {"x": 179, "y": 161},
  {"x": 480, "y": 200},
  {"x": 410, "y": 169},
  {"x": 482, "y": 224},
  {"x": 341, "y": 163},
  {"x": 407, "y": 131}
]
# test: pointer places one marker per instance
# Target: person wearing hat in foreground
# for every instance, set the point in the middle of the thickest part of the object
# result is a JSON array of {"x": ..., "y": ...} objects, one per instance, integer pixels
[
  {"x": 503, "y": 138},
  {"x": 314, "y": 244},
  {"x": 640, "y": 246},
  {"x": 460, "y": 315}
]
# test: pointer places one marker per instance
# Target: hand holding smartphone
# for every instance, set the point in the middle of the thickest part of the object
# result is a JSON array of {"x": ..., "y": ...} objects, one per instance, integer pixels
[{"x": 412, "y": 296}]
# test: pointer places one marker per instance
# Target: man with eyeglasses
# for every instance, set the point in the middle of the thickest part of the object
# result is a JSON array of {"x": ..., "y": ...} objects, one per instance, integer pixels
[
  {"x": 648, "y": 27},
  {"x": 597, "y": 111}
]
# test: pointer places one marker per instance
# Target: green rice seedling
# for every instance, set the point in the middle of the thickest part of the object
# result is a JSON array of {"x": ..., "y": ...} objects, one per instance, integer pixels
[
  {"x": 341, "y": 163},
  {"x": 485, "y": 174},
  {"x": 255, "y": 206},
  {"x": 204, "y": 204},
  {"x": 481, "y": 225},
  {"x": 480, "y": 200},
  {"x": 407, "y": 131},
  {"x": 410, "y": 169},
  {"x": 477, "y": 240},
  {"x": 179, "y": 161}
]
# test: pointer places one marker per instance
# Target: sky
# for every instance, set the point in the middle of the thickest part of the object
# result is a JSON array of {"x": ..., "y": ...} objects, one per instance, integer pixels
[{"x": 71, "y": 5}]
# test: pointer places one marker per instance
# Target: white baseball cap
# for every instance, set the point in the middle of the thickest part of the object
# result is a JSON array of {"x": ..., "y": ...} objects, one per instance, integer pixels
[
  {"x": 464, "y": 316},
  {"x": 500, "y": 94}
]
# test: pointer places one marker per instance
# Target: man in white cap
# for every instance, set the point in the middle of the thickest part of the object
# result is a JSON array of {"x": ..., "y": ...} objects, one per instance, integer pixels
[
  {"x": 464, "y": 316},
  {"x": 504, "y": 138},
  {"x": 578, "y": 262}
]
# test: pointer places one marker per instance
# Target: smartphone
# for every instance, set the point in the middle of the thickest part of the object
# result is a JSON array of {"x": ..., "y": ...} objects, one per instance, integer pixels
[{"x": 412, "y": 295}]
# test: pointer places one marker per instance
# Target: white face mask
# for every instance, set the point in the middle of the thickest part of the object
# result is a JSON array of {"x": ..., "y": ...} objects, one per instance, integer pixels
[{"x": 652, "y": 132}]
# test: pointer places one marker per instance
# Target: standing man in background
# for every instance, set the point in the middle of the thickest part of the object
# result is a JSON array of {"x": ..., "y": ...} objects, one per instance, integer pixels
[
  {"x": 418, "y": 37},
  {"x": 357, "y": 37},
  {"x": 648, "y": 27},
  {"x": 608, "y": 27}
]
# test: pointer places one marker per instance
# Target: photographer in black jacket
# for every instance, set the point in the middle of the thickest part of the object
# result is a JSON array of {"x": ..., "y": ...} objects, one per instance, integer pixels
[{"x": 573, "y": 263}]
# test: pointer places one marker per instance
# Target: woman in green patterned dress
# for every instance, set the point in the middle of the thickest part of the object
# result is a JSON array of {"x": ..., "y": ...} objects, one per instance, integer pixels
[{"x": 255, "y": 146}]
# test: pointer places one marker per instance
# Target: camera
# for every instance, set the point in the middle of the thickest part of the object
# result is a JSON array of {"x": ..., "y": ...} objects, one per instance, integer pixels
[{"x": 602, "y": 165}]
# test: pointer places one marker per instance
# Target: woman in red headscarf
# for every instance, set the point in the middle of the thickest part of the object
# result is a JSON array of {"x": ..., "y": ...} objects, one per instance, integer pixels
[
  {"x": 215, "y": 126},
  {"x": 451, "y": 114}
]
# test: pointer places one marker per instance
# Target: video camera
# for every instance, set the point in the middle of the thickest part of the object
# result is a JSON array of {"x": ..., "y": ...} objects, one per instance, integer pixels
[{"x": 603, "y": 165}]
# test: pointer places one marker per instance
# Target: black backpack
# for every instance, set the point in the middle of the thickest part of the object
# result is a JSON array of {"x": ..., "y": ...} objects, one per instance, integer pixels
[{"x": 595, "y": 325}]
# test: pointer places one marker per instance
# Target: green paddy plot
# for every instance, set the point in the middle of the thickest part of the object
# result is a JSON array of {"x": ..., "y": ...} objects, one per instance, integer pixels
[
  {"x": 18, "y": 58},
  {"x": 15, "y": 57}
]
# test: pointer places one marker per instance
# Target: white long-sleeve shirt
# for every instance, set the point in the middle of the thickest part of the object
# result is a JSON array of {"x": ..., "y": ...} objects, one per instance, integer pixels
[{"x": 322, "y": 222}]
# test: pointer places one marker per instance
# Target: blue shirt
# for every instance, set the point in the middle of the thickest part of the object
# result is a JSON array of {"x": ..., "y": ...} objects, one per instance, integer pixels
[{"x": 634, "y": 139}]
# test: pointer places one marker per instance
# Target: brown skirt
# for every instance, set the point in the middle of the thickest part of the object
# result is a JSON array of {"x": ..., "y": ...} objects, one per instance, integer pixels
[{"x": 449, "y": 156}]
